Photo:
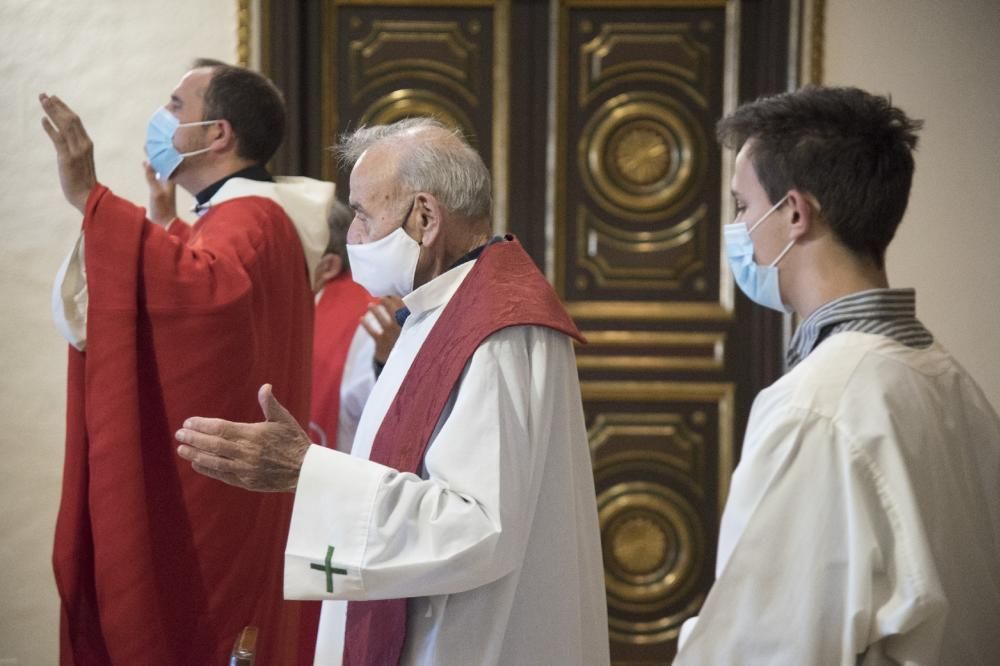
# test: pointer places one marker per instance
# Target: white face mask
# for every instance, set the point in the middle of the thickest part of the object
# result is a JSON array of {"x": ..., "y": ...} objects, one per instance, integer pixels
[{"x": 385, "y": 267}]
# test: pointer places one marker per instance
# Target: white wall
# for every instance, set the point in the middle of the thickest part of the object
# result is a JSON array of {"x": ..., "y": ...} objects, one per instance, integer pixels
[
  {"x": 114, "y": 62},
  {"x": 940, "y": 62}
]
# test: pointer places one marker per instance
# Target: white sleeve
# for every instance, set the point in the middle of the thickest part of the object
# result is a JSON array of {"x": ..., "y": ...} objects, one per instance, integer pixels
[
  {"x": 467, "y": 523},
  {"x": 70, "y": 296},
  {"x": 830, "y": 564},
  {"x": 355, "y": 386}
]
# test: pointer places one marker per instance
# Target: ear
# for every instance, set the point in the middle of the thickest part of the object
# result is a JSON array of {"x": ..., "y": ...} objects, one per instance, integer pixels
[
  {"x": 221, "y": 136},
  {"x": 429, "y": 216},
  {"x": 329, "y": 267},
  {"x": 805, "y": 213}
]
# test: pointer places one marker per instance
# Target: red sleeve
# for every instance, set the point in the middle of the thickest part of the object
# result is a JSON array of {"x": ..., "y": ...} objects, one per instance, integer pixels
[
  {"x": 176, "y": 274},
  {"x": 179, "y": 228}
]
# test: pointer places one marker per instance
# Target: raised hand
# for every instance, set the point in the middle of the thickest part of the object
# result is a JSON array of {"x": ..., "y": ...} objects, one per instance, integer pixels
[
  {"x": 162, "y": 198},
  {"x": 264, "y": 456},
  {"x": 74, "y": 150}
]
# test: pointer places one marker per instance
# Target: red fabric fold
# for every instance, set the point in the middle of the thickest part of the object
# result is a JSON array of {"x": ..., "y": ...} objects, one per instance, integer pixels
[{"x": 503, "y": 289}]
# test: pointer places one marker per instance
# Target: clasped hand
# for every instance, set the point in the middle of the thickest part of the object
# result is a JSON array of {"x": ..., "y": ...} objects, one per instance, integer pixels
[{"x": 265, "y": 456}]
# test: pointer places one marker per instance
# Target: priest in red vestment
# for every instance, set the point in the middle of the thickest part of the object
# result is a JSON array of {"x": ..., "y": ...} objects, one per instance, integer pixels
[{"x": 154, "y": 563}]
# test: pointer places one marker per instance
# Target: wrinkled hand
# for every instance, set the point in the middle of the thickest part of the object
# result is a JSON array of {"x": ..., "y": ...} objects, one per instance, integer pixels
[
  {"x": 74, "y": 150},
  {"x": 387, "y": 331},
  {"x": 162, "y": 198},
  {"x": 264, "y": 456}
]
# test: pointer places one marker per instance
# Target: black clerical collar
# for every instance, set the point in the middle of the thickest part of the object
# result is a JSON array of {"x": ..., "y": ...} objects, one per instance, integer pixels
[
  {"x": 255, "y": 172},
  {"x": 474, "y": 254}
]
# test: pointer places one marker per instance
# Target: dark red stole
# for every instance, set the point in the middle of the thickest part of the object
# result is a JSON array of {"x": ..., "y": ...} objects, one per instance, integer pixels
[{"x": 503, "y": 289}]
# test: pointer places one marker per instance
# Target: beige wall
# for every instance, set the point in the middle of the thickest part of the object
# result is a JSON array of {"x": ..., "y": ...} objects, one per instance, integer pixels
[
  {"x": 940, "y": 62},
  {"x": 114, "y": 62}
]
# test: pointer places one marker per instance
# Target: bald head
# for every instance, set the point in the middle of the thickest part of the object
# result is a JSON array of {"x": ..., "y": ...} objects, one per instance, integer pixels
[{"x": 426, "y": 157}]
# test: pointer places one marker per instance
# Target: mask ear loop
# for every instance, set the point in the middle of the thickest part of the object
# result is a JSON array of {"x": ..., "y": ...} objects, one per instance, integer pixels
[
  {"x": 406, "y": 218},
  {"x": 767, "y": 214},
  {"x": 782, "y": 255},
  {"x": 195, "y": 124}
]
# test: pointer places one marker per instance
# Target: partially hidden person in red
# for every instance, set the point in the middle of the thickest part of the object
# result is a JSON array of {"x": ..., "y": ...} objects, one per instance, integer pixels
[
  {"x": 154, "y": 563},
  {"x": 353, "y": 336}
]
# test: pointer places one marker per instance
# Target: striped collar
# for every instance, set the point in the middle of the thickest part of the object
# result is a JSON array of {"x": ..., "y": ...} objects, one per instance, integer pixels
[{"x": 888, "y": 312}]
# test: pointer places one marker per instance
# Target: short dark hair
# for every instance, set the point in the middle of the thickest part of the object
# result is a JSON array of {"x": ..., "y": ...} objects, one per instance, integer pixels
[
  {"x": 251, "y": 103},
  {"x": 850, "y": 149},
  {"x": 339, "y": 221}
]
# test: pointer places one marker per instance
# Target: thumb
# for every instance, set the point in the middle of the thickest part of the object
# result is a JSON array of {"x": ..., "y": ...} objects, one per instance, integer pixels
[{"x": 273, "y": 410}]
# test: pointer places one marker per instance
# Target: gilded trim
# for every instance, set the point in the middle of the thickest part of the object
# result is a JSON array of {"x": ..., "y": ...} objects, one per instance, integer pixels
[
  {"x": 721, "y": 393},
  {"x": 264, "y": 45},
  {"x": 730, "y": 96},
  {"x": 671, "y": 350},
  {"x": 328, "y": 70},
  {"x": 501, "y": 115},
  {"x": 817, "y": 32},
  {"x": 648, "y": 310},
  {"x": 243, "y": 33},
  {"x": 640, "y": 4},
  {"x": 418, "y": 3},
  {"x": 794, "y": 66},
  {"x": 554, "y": 192}
]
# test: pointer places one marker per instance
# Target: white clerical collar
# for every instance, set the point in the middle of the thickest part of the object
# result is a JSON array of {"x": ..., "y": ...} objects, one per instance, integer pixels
[
  {"x": 307, "y": 203},
  {"x": 438, "y": 291}
]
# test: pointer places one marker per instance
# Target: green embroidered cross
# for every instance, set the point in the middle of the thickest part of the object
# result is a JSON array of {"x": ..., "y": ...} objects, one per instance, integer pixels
[{"x": 329, "y": 569}]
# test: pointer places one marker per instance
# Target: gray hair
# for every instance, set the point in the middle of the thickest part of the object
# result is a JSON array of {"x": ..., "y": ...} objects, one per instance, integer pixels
[{"x": 432, "y": 158}]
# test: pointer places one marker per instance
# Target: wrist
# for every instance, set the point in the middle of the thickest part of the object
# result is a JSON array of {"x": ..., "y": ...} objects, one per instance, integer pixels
[{"x": 81, "y": 197}]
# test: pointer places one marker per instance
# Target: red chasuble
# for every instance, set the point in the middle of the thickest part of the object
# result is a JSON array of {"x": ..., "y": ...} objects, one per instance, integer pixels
[
  {"x": 156, "y": 564},
  {"x": 338, "y": 315},
  {"x": 503, "y": 289}
]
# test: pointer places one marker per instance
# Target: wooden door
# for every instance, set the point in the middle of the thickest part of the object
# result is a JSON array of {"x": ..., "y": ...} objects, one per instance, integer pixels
[{"x": 597, "y": 120}]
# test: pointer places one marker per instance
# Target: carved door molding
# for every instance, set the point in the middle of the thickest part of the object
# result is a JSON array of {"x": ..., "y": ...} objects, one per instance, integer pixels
[{"x": 597, "y": 120}]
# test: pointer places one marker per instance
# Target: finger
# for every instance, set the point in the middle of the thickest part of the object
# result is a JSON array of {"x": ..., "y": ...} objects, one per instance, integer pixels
[
  {"x": 56, "y": 110},
  {"x": 383, "y": 316},
  {"x": 217, "y": 427},
  {"x": 273, "y": 410},
  {"x": 220, "y": 469},
  {"x": 69, "y": 123},
  {"x": 54, "y": 134},
  {"x": 213, "y": 474},
  {"x": 46, "y": 103},
  {"x": 209, "y": 460},
  {"x": 210, "y": 444},
  {"x": 150, "y": 173},
  {"x": 393, "y": 303},
  {"x": 370, "y": 325}
]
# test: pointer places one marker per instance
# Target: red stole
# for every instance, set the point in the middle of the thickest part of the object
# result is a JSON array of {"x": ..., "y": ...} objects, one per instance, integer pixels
[
  {"x": 338, "y": 315},
  {"x": 504, "y": 288},
  {"x": 156, "y": 564}
]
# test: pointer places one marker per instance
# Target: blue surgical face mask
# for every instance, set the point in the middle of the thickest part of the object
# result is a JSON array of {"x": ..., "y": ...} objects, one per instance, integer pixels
[
  {"x": 759, "y": 283},
  {"x": 160, "y": 150}
]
